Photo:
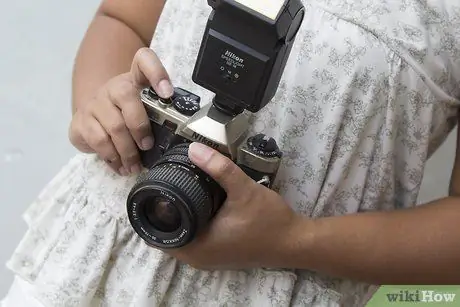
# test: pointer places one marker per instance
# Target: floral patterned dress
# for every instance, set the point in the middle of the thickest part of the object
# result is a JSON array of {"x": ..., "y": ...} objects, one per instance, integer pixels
[{"x": 370, "y": 92}]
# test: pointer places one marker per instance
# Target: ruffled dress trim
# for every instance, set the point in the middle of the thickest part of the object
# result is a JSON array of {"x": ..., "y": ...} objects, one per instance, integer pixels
[{"x": 80, "y": 250}]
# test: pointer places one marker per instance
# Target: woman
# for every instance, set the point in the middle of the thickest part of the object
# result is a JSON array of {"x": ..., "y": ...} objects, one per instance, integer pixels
[{"x": 369, "y": 93}]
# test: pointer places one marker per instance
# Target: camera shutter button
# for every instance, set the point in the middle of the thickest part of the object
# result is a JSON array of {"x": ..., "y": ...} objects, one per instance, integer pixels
[{"x": 186, "y": 105}]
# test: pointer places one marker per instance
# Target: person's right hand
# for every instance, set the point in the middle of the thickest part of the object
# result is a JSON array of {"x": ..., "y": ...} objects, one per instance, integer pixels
[{"x": 114, "y": 124}]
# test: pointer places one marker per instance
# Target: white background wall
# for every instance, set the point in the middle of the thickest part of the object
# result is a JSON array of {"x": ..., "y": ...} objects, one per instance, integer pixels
[{"x": 38, "y": 41}]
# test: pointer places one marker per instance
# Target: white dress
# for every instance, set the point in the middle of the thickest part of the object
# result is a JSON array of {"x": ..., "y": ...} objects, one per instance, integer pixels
[{"x": 369, "y": 93}]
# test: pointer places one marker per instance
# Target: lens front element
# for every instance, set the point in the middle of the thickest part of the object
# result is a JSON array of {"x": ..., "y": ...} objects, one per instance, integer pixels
[{"x": 162, "y": 214}]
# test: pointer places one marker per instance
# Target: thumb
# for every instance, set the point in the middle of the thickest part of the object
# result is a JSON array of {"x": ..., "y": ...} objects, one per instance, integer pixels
[
  {"x": 222, "y": 169},
  {"x": 147, "y": 70}
]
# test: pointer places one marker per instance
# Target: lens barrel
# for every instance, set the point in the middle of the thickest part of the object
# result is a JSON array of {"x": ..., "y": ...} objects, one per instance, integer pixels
[{"x": 173, "y": 201}]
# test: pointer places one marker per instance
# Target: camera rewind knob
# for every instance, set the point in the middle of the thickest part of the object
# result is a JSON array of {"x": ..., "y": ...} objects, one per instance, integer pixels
[
  {"x": 186, "y": 105},
  {"x": 264, "y": 146}
]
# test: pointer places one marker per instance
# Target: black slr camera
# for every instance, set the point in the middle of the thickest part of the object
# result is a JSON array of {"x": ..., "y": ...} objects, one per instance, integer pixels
[{"x": 242, "y": 57}]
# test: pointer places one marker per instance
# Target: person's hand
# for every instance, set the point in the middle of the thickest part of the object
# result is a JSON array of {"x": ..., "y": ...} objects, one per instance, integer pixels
[
  {"x": 114, "y": 124},
  {"x": 254, "y": 227}
]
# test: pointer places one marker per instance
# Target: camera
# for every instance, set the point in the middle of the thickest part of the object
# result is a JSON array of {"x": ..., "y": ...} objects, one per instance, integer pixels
[{"x": 243, "y": 53}]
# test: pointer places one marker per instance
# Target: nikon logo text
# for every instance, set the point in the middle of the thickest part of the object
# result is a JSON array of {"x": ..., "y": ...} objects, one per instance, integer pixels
[
  {"x": 204, "y": 140},
  {"x": 234, "y": 56}
]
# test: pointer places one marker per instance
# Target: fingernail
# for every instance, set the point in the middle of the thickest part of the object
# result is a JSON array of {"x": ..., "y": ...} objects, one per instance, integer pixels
[
  {"x": 147, "y": 143},
  {"x": 200, "y": 152},
  {"x": 165, "y": 89},
  {"x": 123, "y": 171},
  {"x": 135, "y": 169}
]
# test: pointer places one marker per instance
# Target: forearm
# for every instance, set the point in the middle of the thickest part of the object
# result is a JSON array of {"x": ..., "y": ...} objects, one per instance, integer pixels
[
  {"x": 413, "y": 246},
  {"x": 106, "y": 51}
]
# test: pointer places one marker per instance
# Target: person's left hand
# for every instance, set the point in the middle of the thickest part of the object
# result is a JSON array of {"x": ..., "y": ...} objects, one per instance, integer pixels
[{"x": 253, "y": 228}]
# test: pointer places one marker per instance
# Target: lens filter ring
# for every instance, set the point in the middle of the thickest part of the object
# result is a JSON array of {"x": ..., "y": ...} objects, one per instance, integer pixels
[{"x": 138, "y": 203}]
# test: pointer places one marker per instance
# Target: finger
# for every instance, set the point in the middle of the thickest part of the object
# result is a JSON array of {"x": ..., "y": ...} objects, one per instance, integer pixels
[
  {"x": 147, "y": 69},
  {"x": 229, "y": 176},
  {"x": 113, "y": 123},
  {"x": 126, "y": 98},
  {"x": 98, "y": 139},
  {"x": 76, "y": 137}
]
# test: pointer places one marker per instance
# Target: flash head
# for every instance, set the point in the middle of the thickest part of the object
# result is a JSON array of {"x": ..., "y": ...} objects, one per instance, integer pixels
[{"x": 244, "y": 50}]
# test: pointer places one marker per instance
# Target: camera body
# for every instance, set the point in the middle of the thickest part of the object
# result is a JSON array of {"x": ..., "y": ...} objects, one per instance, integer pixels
[
  {"x": 182, "y": 120},
  {"x": 172, "y": 178},
  {"x": 242, "y": 56}
]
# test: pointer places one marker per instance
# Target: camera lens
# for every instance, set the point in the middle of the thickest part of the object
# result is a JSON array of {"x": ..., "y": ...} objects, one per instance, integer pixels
[
  {"x": 173, "y": 201},
  {"x": 162, "y": 214}
]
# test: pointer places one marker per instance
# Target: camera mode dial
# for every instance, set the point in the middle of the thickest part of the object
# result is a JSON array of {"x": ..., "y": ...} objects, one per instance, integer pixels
[
  {"x": 186, "y": 105},
  {"x": 264, "y": 146}
]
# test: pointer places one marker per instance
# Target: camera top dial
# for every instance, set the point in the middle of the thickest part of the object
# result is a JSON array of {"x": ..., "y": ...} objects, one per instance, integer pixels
[
  {"x": 264, "y": 146},
  {"x": 186, "y": 105}
]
